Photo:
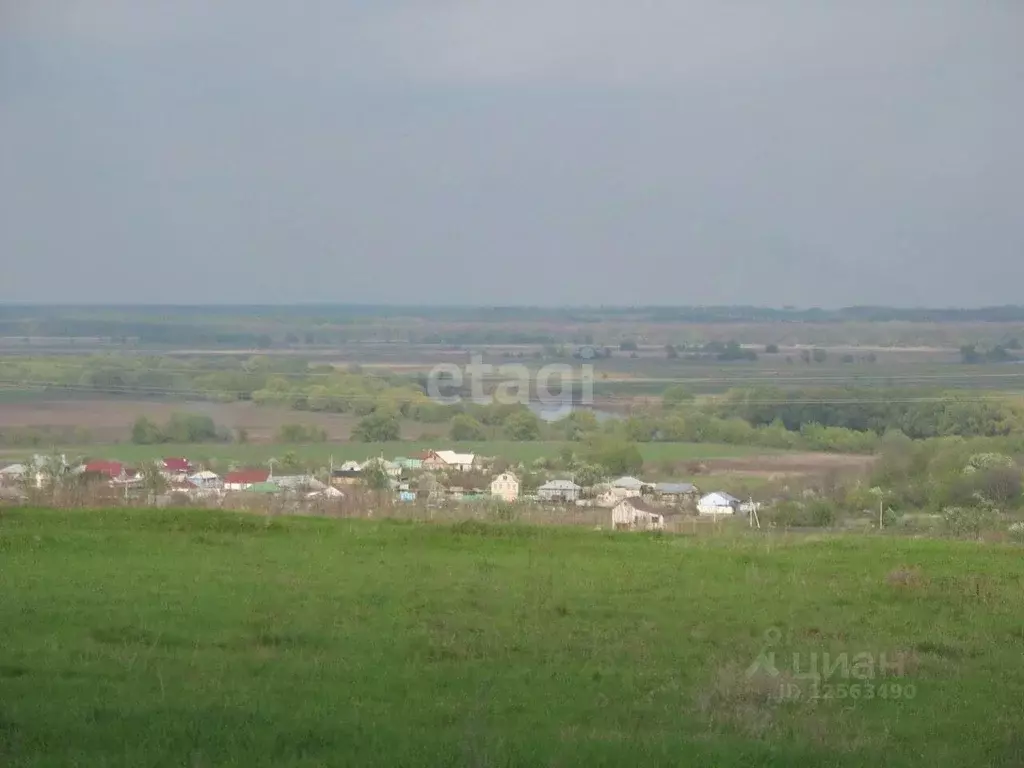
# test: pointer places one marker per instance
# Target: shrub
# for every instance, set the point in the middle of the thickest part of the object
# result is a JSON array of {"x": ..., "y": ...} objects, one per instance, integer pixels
[{"x": 967, "y": 521}]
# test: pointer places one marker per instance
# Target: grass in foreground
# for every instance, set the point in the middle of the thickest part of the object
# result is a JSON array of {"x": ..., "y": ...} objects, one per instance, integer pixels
[{"x": 137, "y": 638}]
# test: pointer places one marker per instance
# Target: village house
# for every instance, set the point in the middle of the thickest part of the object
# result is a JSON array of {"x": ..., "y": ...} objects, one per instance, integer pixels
[
  {"x": 13, "y": 475},
  {"x": 36, "y": 473},
  {"x": 635, "y": 514},
  {"x": 675, "y": 493},
  {"x": 349, "y": 473},
  {"x": 409, "y": 465},
  {"x": 631, "y": 486},
  {"x": 176, "y": 467},
  {"x": 245, "y": 479},
  {"x": 182, "y": 486},
  {"x": 205, "y": 480},
  {"x": 298, "y": 483},
  {"x": 718, "y": 503},
  {"x": 449, "y": 460},
  {"x": 111, "y": 470},
  {"x": 505, "y": 487},
  {"x": 559, "y": 490}
]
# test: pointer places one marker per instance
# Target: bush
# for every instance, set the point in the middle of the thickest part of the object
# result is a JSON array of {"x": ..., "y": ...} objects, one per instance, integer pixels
[
  {"x": 794, "y": 514},
  {"x": 146, "y": 432},
  {"x": 301, "y": 433},
  {"x": 967, "y": 522},
  {"x": 522, "y": 427},
  {"x": 378, "y": 427},
  {"x": 465, "y": 427}
]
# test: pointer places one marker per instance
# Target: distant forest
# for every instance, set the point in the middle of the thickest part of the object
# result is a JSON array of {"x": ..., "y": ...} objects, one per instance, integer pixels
[{"x": 266, "y": 326}]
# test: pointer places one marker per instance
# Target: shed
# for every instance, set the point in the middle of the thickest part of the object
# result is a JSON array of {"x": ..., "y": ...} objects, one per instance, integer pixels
[{"x": 635, "y": 514}]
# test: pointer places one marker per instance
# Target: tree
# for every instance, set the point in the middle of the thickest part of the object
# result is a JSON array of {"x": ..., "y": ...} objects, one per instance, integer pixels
[
  {"x": 628, "y": 346},
  {"x": 578, "y": 424},
  {"x": 771, "y": 349},
  {"x": 671, "y": 352},
  {"x": 522, "y": 427},
  {"x": 465, "y": 427},
  {"x": 145, "y": 432},
  {"x": 615, "y": 457},
  {"x": 734, "y": 351},
  {"x": 819, "y": 355},
  {"x": 153, "y": 479},
  {"x": 189, "y": 428},
  {"x": 969, "y": 354},
  {"x": 587, "y": 475},
  {"x": 378, "y": 427},
  {"x": 375, "y": 478},
  {"x": 676, "y": 395},
  {"x": 290, "y": 462}
]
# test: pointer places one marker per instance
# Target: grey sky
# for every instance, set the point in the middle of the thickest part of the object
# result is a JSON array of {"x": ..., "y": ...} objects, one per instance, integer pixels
[{"x": 528, "y": 152}]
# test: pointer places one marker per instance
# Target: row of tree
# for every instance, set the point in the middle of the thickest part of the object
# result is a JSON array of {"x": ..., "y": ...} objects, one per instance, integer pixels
[{"x": 180, "y": 428}]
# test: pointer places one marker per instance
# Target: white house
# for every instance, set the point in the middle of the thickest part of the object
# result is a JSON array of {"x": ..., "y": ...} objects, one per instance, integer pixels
[
  {"x": 635, "y": 514},
  {"x": 718, "y": 503},
  {"x": 15, "y": 475},
  {"x": 463, "y": 462},
  {"x": 505, "y": 487}
]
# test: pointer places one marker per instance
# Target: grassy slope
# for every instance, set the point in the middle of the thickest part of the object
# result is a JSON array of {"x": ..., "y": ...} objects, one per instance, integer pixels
[
  {"x": 254, "y": 452},
  {"x": 145, "y": 638}
]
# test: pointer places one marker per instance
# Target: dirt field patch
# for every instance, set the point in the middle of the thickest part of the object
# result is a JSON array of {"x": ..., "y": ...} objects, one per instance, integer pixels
[{"x": 789, "y": 464}]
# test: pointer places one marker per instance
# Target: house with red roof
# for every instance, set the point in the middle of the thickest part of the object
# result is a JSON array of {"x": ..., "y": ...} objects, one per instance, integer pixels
[
  {"x": 244, "y": 479},
  {"x": 177, "y": 466},
  {"x": 112, "y": 470}
]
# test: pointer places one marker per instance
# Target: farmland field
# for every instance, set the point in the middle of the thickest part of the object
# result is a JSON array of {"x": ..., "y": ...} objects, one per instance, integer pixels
[{"x": 170, "y": 638}]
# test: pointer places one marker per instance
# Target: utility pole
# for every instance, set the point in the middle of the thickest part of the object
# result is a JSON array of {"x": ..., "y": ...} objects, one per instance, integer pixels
[{"x": 880, "y": 503}]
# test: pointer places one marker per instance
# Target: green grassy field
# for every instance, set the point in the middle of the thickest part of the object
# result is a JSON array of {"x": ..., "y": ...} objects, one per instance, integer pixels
[
  {"x": 142, "y": 638},
  {"x": 261, "y": 452}
]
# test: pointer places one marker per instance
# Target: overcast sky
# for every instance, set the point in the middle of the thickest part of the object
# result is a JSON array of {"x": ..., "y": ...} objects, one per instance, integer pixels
[{"x": 512, "y": 152}]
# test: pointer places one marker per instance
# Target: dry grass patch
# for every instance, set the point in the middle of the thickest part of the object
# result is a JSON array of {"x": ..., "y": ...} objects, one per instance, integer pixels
[
  {"x": 748, "y": 701},
  {"x": 906, "y": 577}
]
